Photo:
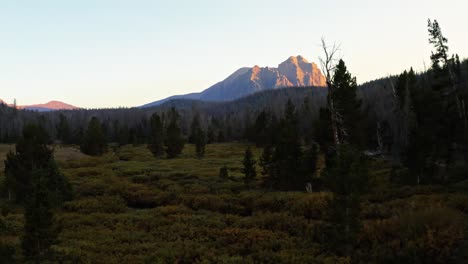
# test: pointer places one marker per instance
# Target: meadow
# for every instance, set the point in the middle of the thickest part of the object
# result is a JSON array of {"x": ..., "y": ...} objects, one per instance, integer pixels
[{"x": 130, "y": 207}]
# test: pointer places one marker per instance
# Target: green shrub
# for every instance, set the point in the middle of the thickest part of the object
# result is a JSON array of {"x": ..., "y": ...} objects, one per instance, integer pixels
[
  {"x": 311, "y": 206},
  {"x": 100, "y": 204},
  {"x": 422, "y": 236}
]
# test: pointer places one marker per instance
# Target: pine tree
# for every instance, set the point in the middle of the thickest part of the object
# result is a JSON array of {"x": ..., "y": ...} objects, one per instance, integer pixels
[
  {"x": 200, "y": 143},
  {"x": 451, "y": 124},
  {"x": 403, "y": 114},
  {"x": 348, "y": 179},
  {"x": 306, "y": 126},
  {"x": 260, "y": 129},
  {"x": 123, "y": 135},
  {"x": 34, "y": 180},
  {"x": 94, "y": 142},
  {"x": 156, "y": 145},
  {"x": 249, "y": 169},
  {"x": 309, "y": 162},
  {"x": 40, "y": 233},
  {"x": 63, "y": 129},
  {"x": 266, "y": 162},
  {"x": 210, "y": 135},
  {"x": 440, "y": 57},
  {"x": 288, "y": 152},
  {"x": 197, "y": 136},
  {"x": 174, "y": 141},
  {"x": 33, "y": 154},
  {"x": 323, "y": 129},
  {"x": 414, "y": 131},
  {"x": 347, "y": 106}
]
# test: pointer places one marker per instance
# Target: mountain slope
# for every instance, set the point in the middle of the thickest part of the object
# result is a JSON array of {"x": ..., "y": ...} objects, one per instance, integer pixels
[
  {"x": 294, "y": 72},
  {"x": 50, "y": 106}
]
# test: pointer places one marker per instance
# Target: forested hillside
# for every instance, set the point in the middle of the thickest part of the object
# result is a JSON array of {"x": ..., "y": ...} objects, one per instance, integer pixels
[{"x": 233, "y": 117}]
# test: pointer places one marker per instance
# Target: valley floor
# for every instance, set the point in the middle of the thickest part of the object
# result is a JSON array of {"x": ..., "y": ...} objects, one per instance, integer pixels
[{"x": 132, "y": 208}]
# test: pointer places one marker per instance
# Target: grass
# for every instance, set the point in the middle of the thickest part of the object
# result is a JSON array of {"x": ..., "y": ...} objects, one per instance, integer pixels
[{"x": 130, "y": 207}]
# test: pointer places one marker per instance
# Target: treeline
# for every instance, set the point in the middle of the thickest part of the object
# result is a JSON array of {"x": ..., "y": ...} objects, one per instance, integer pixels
[
  {"x": 222, "y": 121},
  {"x": 131, "y": 126}
]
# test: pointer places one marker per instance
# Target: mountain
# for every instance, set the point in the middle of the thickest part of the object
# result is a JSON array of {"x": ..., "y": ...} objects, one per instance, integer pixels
[
  {"x": 294, "y": 72},
  {"x": 50, "y": 106}
]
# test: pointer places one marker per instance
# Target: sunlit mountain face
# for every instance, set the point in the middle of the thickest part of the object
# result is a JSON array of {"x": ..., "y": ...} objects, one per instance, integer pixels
[{"x": 294, "y": 72}]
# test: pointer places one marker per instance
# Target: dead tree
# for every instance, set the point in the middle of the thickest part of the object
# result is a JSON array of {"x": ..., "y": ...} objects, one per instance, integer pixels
[{"x": 328, "y": 64}]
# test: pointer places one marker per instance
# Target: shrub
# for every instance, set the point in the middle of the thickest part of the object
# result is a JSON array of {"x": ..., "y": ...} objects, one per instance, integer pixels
[
  {"x": 423, "y": 236},
  {"x": 311, "y": 206},
  {"x": 100, "y": 204}
]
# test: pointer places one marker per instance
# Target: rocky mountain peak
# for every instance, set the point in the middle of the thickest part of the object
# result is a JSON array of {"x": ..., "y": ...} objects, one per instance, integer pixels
[
  {"x": 296, "y": 71},
  {"x": 300, "y": 72}
]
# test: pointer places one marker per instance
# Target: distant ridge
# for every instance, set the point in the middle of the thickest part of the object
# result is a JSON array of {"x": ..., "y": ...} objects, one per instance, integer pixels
[
  {"x": 294, "y": 72},
  {"x": 50, "y": 106}
]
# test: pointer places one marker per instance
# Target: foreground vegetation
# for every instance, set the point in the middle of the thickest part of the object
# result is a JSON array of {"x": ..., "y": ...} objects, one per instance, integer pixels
[
  {"x": 309, "y": 192},
  {"x": 132, "y": 208}
]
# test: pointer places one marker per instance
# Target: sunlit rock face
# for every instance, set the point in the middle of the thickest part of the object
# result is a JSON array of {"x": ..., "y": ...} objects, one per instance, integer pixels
[
  {"x": 300, "y": 72},
  {"x": 294, "y": 72}
]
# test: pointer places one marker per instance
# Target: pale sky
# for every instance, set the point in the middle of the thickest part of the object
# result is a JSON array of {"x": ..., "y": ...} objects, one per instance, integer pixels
[{"x": 111, "y": 53}]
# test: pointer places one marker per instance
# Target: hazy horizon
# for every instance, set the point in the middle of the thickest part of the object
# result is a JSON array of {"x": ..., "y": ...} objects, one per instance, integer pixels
[{"x": 129, "y": 53}]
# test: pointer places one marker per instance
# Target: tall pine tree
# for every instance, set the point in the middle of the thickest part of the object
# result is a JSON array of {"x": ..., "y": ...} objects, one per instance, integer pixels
[
  {"x": 348, "y": 179},
  {"x": 451, "y": 124},
  {"x": 347, "y": 106},
  {"x": 174, "y": 141},
  {"x": 40, "y": 231},
  {"x": 31, "y": 154},
  {"x": 94, "y": 141},
  {"x": 156, "y": 144},
  {"x": 197, "y": 136},
  {"x": 34, "y": 180},
  {"x": 63, "y": 129},
  {"x": 249, "y": 169}
]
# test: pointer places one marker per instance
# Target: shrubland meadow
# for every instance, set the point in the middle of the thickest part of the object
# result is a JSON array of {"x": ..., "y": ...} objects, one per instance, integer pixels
[{"x": 372, "y": 173}]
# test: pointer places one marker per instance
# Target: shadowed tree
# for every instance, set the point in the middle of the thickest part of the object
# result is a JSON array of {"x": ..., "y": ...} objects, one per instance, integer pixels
[
  {"x": 63, "y": 129},
  {"x": 329, "y": 64},
  {"x": 249, "y": 169},
  {"x": 156, "y": 145},
  {"x": 40, "y": 232},
  {"x": 33, "y": 154},
  {"x": 450, "y": 125},
  {"x": 348, "y": 179},
  {"x": 288, "y": 153},
  {"x": 34, "y": 180},
  {"x": 197, "y": 136},
  {"x": 347, "y": 106},
  {"x": 173, "y": 140},
  {"x": 94, "y": 141}
]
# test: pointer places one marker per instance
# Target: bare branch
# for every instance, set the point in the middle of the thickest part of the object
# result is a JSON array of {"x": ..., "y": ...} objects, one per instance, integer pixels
[{"x": 328, "y": 64}]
